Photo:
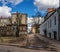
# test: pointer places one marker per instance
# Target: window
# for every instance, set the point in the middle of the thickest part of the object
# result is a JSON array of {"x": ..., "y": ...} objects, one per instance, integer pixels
[
  {"x": 24, "y": 28},
  {"x": 55, "y": 20},
  {"x": 55, "y": 34},
  {"x": 50, "y": 22},
  {"x": 59, "y": 19}
]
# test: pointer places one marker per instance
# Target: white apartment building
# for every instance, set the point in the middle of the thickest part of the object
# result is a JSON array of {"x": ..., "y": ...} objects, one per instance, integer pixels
[
  {"x": 50, "y": 27},
  {"x": 38, "y": 20}
]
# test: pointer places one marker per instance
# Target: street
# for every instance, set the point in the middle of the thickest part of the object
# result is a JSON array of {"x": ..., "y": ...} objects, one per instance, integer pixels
[
  {"x": 4, "y": 48},
  {"x": 34, "y": 42}
]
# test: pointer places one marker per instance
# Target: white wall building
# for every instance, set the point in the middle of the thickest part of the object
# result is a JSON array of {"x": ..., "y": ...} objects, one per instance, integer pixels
[
  {"x": 38, "y": 20},
  {"x": 31, "y": 21},
  {"x": 50, "y": 27}
]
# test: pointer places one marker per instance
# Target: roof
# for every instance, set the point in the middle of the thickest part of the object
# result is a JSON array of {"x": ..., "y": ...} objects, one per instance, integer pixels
[
  {"x": 4, "y": 17},
  {"x": 19, "y": 13},
  {"x": 58, "y": 10},
  {"x": 36, "y": 25},
  {"x": 48, "y": 16},
  {"x": 50, "y": 9}
]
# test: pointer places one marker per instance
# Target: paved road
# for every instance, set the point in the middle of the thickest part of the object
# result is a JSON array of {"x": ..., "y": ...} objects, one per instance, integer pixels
[{"x": 4, "y": 48}]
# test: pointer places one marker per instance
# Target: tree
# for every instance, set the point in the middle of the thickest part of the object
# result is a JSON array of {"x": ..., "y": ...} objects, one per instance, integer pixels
[{"x": 37, "y": 16}]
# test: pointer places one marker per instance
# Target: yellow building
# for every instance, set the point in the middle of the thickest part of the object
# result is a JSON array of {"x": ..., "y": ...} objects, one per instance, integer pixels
[{"x": 35, "y": 28}]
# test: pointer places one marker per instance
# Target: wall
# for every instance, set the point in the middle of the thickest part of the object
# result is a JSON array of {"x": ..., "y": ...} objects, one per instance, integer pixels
[
  {"x": 23, "y": 19},
  {"x": 13, "y": 18},
  {"x": 46, "y": 25},
  {"x": 4, "y": 21}
]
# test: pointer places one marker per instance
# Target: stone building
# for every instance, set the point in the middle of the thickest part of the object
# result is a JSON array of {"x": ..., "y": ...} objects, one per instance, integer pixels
[{"x": 50, "y": 27}]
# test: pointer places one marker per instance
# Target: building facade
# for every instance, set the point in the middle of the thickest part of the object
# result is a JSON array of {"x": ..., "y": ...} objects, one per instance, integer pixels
[
  {"x": 50, "y": 27},
  {"x": 5, "y": 21},
  {"x": 19, "y": 22},
  {"x": 15, "y": 25},
  {"x": 36, "y": 24}
]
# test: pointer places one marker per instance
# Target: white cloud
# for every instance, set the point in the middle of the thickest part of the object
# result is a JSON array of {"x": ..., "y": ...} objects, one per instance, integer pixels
[
  {"x": 15, "y": 2},
  {"x": 44, "y": 4},
  {"x": 5, "y": 11}
]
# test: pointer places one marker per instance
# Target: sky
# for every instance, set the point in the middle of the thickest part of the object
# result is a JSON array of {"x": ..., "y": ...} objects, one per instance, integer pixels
[{"x": 31, "y": 7}]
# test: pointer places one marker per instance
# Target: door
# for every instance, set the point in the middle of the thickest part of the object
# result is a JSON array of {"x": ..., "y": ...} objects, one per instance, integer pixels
[
  {"x": 55, "y": 35},
  {"x": 45, "y": 32},
  {"x": 49, "y": 35}
]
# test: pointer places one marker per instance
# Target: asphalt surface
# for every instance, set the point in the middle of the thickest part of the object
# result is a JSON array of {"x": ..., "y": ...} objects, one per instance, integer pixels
[{"x": 4, "y": 48}]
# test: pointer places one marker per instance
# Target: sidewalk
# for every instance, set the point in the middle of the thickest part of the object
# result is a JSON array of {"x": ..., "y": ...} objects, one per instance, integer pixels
[
  {"x": 54, "y": 43},
  {"x": 22, "y": 44}
]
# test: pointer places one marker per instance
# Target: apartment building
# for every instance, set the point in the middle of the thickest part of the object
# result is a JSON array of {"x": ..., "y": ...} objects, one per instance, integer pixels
[
  {"x": 19, "y": 21},
  {"x": 5, "y": 21},
  {"x": 50, "y": 27},
  {"x": 15, "y": 25}
]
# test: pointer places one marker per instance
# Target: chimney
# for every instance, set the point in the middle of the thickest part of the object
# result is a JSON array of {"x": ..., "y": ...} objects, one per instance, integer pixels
[{"x": 50, "y": 10}]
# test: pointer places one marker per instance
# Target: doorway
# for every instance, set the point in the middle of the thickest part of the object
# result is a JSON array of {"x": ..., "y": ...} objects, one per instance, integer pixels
[
  {"x": 55, "y": 35},
  {"x": 49, "y": 35},
  {"x": 45, "y": 32}
]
